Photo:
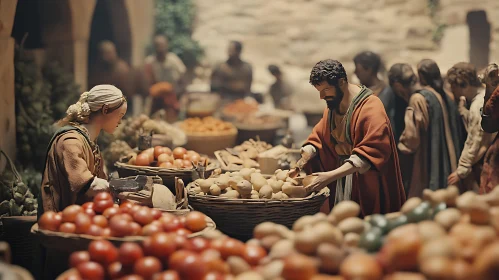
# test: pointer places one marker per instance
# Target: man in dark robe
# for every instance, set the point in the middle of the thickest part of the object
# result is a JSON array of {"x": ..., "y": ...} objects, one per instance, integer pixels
[
  {"x": 367, "y": 67},
  {"x": 428, "y": 144},
  {"x": 281, "y": 90},
  {"x": 232, "y": 79},
  {"x": 353, "y": 145}
]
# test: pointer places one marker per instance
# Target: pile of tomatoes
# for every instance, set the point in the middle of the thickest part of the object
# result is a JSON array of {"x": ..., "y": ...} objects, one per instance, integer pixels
[
  {"x": 163, "y": 256},
  {"x": 166, "y": 158},
  {"x": 104, "y": 218}
]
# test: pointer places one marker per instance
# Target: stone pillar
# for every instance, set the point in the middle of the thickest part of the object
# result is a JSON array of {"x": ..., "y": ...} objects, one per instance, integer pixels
[
  {"x": 7, "y": 94},
  {"x": 141, "y": 19}
]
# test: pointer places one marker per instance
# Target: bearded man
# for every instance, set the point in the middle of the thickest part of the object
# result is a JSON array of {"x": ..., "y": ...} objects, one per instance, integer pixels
[{"x": 352, "y": 144}]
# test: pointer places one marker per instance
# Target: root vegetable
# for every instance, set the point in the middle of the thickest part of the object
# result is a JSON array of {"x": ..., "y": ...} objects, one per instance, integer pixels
[
  {"x": 258, "y": 181},
  {"x": 352, "y": 224},
  {"x": 440, "y": 247},
  {"x": 238, "y": 265},
  {"x": 246, "y": 173},
  {"x": 282, "y": 175},
  {"x": 430, "y": 230},
  {"x": 231, "y": 194},
  {"x": 215, "y": 190},
  {"x": 306, "y": 221},
  {"x": 293, "y": 191},
  {"x": 345, "y": 209},
  {"x": 223, "y": 181},
  {"x": 244, "y": 188},
  {"x": 249, "y": 275},
  {"x": 276, "y": 185},
  {"x": 272, "y": 270},
  {"x": 437, "y": 268},
  {"x": 266, "y": 192},
  {"x": 361, "y": 266},
  {"x": 299, "y": 267},
  {"x": 330, "y": 258},
  {"x": 282, "y": 249},
  {"x": 410, "y": 204},
  {"x": 448, "y": 218},
  {"x": 352, "y": 239}
]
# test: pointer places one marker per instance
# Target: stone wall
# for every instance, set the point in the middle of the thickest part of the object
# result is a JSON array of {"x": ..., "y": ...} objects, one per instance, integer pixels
[{"x": 297, "y": 33}]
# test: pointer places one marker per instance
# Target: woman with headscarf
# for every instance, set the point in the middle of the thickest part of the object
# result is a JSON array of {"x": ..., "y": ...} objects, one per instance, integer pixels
[{"x": 74, "y": 169}]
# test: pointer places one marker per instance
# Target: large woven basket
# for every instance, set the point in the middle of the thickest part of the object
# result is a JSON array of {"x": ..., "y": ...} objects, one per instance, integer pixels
[
  {"x": 168, "y": 175},
  {"x": 17, "y": 234},
  {"x": 68, "y": 242},
  {"x": 265, "y": 132},
  {"x": 208, "y": 144},
  {"x": 238, "y": 217}
]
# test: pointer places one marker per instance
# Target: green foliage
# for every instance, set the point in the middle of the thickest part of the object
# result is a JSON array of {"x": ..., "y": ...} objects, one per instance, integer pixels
[
  {"x": 175, "y": 19},
  {"x": 439, "y": 28}
]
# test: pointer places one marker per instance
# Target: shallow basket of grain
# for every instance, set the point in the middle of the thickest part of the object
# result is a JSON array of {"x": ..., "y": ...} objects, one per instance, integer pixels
[{"x": 238, "y": 217}]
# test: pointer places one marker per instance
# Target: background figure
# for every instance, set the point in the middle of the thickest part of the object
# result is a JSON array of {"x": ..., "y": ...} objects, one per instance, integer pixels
[
  {"x": 232, "y": 79},
  {"x": 165, "y": 66},
  {"x": 280, "y": 90},
  {"x": 367, "y": 67},
  {"x": 163, "y": 97},
  {"x": 490, "y": 123},
  {"x": 468, "y": 89},
  {"x": 429, "y": 75},
  {"x": 111, "y": 69},
  {"x": 428, "y": 152}
]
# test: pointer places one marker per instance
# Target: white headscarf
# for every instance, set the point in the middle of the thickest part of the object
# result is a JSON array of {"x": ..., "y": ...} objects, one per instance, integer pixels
[{"x": 93, "y": 101}]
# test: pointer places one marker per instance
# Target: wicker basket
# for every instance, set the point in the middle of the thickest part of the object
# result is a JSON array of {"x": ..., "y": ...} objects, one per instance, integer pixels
[
  {"x": 168, "y": 175},
  {"x": 265, "y": 132},
  {"x": 238, "y": 217},
  {"x": 208, "y": 144},
  {"x": 17, "y": 234},
  {"x": 68, "y": 242}
]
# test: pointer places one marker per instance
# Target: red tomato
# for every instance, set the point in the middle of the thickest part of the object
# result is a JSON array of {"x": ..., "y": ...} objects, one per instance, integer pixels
[
  {"x": 179, "y": 152},
  {"x": 101, "y": 205},
  {"x": 119, "y": 226},
  {"x": 116, "y": 270},
  {"x": 132, "y": 277},
  {"x": 89, "y": 212},
  {"x": 110, "y": 212},
  {"x": 88, "y": 205},
  {"x": 91, "y": 270},
  {"x": 50, "y": 221},
  {"x": 135, "y": 228},
  {"x": 217, "y": 244},
  {"x": 70, "y": 212},
  {"x": 143, "y": 160},
  {"x": 67, "y": 228},
  {"x": 167, "y": 151},
  {"x": 160, "y": 245},
  {"x": 94, "y": 230},
  {"x": 103, "y": 252},
  {"x": 129, "y": 253},
  {"x": 198, "y": 244},
  {"x": 189, "y": 266},
  {"x": 214, "y": 276},
  {"x": 178, "y": 163},
  {"x": 151, "y": 229},
  {"x": 180, "y": 241},
  {"x": 170, "y": 224},
  {"x": 147, "y": 267},
  {"x": 126, "y": 217},
  {"x": 166, "y": 165},
  {"x": 194, "y": 158},
  {"x": 106, "y": 232},
  {"x": 82, "y": 223},
  {"x": 195, "y": 221},
  {"x": 253, "y": 254},
  {"x": 187, "y": 164},
  {"x": 102, "y": 196},
  {"x": 150, "y": 153},
  {"x": 100, "y": 220},
  {"x": 214, "y": 262},
  {"x": 167, "y": 275},
  {"x": 158, "y": 150},
  {"x": 143, "y": 216},
  {"x": 78, "y": 257},
  {"x": 183, "y": 232},
  {"x": 126, "y": 207},
  {"x": 156, "y": 214},
  {"x": 232, "y": 247}
]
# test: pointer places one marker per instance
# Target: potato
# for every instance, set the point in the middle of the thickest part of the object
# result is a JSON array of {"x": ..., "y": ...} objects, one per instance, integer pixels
[
  {"x": 250, "y": 275},
  {"x": 277, "y": 186},
  {"x": 215, "y": 190},
  {"x": 437, "y": 268},
  {"x": 361, "y": 266},
  {"x": 448, "y": 218},
  {"x": 206, "y": 184},
  {"x": 330, "y": 258},
  {"x": 246, "y": 173},
  {"x": 279, "y": 196},
  {"x": 232, "y": 183},
  {"x": 466, "y": 200},
  {"x": 440, "y": 247},
  {"x": 452, "y": 195},
  {"x": 282, "y": 249},
  {"x": 430, "y": 230},
  {"x": 265, "y": 192},
  {"x": 328, "y": 233},
  {"x": 352, "y": 224},
  {"x": 258, "y": 181},
  {"x": 238, "y": 265},
  {"x": 282, "y": 175},
  {"x": 272, "y": 270},
  {"x": 231, "y": 194},
  {"x": 307, "y": 241},
  {"x": 196, "y": 190},
  {"x": 255, "y": 196},
  {"x": 435, "y": 197},
  {"x": 352, "y": 239},
  {"x": 268, "y": 228},
  {"x": 294, "y": 191},
  {"x": 410, "y": 204},
  {"x": 345, "y": 209},
  {"x": 222, "y": 181},
  {"x": 308, "y": 220},
  {"x": 244, "y": 188}
]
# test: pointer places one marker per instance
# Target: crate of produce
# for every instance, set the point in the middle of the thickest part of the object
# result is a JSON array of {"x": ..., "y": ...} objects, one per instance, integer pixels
[{"x": 238, "y": 201}]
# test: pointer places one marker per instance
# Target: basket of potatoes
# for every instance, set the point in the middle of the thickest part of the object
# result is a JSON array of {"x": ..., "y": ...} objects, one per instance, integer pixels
[{"x": 238, "y": 201}]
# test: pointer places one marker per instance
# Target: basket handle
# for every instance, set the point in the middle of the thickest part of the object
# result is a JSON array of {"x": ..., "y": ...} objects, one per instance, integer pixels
[
  {"x": 180, "y": 194},
  {"x": 12, "y": 166}
]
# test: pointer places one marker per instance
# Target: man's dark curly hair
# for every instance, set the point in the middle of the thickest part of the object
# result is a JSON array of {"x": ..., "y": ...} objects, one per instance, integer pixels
[
  {"x": 463, "y": 74},
  {"x": 328, "y": 70}
]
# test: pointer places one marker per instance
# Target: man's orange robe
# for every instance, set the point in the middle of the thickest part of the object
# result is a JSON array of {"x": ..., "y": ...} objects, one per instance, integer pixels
[{"x": 380, "y": 189}]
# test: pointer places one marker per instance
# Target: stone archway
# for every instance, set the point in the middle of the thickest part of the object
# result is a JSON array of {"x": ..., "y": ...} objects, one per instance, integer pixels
[{"x": 479, "y": 30}]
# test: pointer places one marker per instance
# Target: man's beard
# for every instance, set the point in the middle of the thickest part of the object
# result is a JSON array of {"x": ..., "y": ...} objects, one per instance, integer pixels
[{"x": 333, "y": 103}]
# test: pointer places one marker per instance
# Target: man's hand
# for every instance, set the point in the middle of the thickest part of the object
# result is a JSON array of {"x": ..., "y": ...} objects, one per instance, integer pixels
[
  {"x": 453, "y": 179},
  {"x": 97, "y": 186},
  {"x": 307, "y": 153},
  {"x": 323, "y": 180}
]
